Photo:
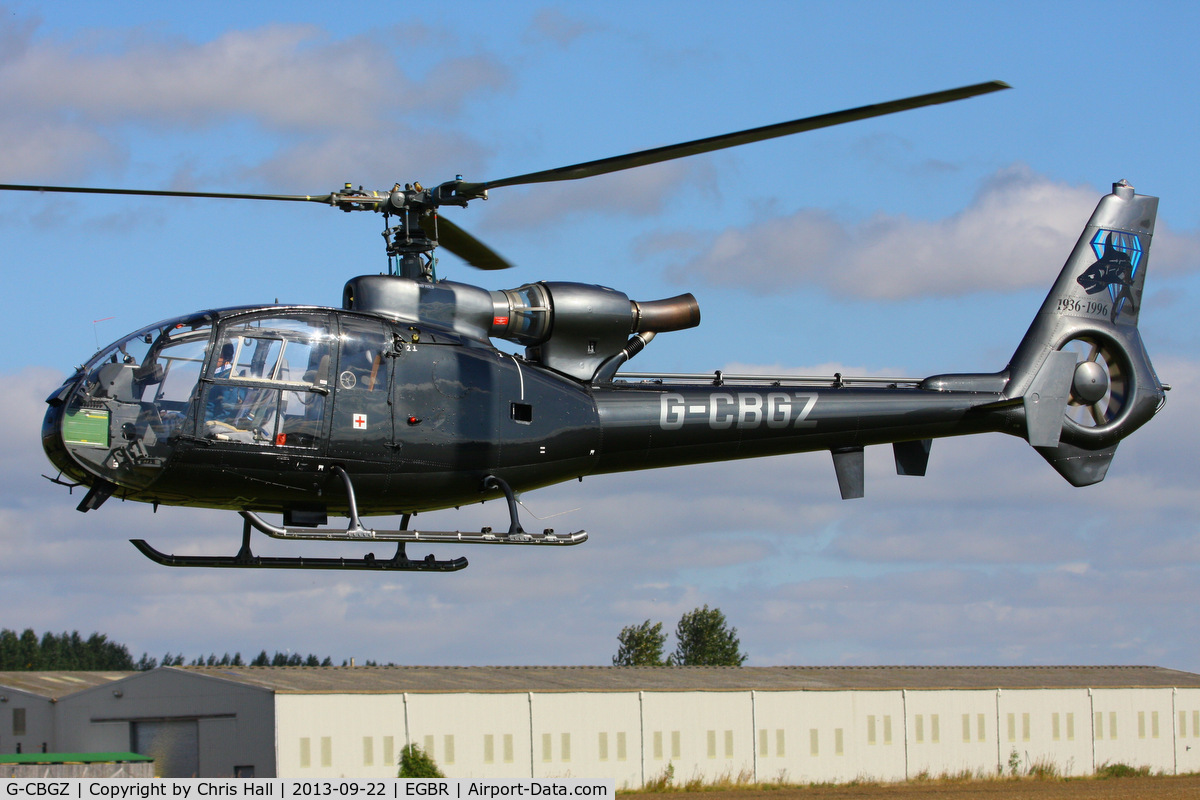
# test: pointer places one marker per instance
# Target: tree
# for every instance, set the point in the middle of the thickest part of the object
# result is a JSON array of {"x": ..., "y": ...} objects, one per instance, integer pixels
[
  {"x": 68, "y": 651},
  {"x": 703, "y": 639},
  {"x": 10, "y": 647},
  {"x": 29, "y": 652},
  {"x": 416, "y": 763},
  {"x": 52, "y": 652},
  {"x": 641, "y": 646}
]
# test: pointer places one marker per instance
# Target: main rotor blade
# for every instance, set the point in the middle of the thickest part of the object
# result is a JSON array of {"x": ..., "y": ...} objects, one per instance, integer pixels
[
  {"x": 467, "y": 247},
  {"x": 673, "y": 151},
  {"x": 303, "y": 198}
]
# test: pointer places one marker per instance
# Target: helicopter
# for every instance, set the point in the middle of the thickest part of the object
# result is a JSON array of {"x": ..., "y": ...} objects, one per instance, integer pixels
[{"x": 398, "y": 402}]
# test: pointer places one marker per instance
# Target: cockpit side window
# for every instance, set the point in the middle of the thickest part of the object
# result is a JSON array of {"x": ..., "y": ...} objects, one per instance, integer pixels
[
  {"x": 169, "y": 382},
  {"x": 363, "y": 363},
  {"x": 269, "y": 377}
]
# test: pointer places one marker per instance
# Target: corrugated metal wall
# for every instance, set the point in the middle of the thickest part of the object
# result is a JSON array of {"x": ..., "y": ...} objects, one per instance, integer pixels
[{"x": 796, "y": 736}]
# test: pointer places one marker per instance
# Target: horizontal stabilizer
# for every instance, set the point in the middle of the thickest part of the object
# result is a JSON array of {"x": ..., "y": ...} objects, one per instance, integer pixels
[
  {"x": 848, "y": 463},
  {"x": 912, "y": 457},
  {"x": 1080, "y": 467}
]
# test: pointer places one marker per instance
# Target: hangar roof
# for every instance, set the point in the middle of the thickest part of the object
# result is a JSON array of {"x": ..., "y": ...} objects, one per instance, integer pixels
[
  {"x": 55, "y": 685},
  {"x": 393, "y": 679}
]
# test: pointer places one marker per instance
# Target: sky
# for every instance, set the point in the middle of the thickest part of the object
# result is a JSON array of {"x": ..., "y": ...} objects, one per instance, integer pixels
[{"x": 911, "y": 245}]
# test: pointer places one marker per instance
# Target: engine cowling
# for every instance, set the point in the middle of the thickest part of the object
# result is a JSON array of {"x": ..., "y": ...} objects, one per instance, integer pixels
[{"x": 569, "y": 327}]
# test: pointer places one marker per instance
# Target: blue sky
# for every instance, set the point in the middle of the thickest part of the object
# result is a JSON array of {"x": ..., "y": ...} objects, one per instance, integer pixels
[{"x": 911, "y": 244}]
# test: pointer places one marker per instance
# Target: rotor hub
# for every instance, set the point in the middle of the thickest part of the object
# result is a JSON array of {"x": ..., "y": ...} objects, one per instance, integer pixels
[{"x": 1090, "y": 383}]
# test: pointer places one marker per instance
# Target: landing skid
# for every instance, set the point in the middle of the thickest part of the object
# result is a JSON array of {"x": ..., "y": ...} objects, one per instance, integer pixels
[
  {"x": 245, "y": 559},
  {"x": 356, "y": 532}
]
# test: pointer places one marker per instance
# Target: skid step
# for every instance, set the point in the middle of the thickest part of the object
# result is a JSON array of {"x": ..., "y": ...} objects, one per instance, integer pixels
[{"x": 361, "y": 534}]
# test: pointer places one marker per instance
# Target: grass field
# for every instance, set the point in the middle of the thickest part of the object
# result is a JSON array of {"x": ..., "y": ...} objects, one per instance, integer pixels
[{"x": 1138, "y": 787}]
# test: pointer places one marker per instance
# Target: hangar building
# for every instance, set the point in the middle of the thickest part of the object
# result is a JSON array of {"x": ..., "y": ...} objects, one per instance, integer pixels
[
  {"x": 28, "y": 703},
  {"x": 625, "y": 724}
]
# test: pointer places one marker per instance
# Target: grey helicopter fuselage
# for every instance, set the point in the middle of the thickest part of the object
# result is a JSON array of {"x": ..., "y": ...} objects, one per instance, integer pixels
[
  {"x": 420, "y": 420},
  {"x": 401, "y": 394},
  {"x": 419, "y": 414}
]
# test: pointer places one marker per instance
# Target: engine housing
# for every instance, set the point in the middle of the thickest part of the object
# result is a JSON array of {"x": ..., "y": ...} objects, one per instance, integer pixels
[{"x": 569, "y": 327}]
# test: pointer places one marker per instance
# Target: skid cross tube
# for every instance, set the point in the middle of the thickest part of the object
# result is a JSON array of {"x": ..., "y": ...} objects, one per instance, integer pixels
[{"x": 355, "y": 531}]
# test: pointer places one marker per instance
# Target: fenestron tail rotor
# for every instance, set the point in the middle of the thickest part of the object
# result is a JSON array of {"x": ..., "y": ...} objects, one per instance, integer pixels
[{"x": 1100, "y": 388}]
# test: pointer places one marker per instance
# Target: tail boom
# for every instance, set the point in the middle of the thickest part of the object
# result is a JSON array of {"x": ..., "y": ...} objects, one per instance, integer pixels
[{"x": 1079, "y": 382}]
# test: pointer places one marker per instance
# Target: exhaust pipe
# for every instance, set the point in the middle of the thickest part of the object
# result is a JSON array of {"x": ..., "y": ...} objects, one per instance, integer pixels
[{"x": 671, "y": 314}]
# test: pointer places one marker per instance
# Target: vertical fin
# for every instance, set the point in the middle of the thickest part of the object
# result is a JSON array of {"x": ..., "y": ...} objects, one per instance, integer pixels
[
  {"x": 848, "y": 464},
  {"x": 1081, "y": 372},
  {"x": 912, "y": 457}
]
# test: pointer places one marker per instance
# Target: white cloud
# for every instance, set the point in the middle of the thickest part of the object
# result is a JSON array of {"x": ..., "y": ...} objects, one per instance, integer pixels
[
  {"x": 22, "y": 405},
  {"x": 283, "y": 76},
  {"x": 326, "y": 162},
  {"x": 75, "y": 102},
  {"x": 1019, "y": 229},
  {"x": 33, "y": 148},
  {"x": 638, "y": 192},
  {"x": 553, "y": 25}
]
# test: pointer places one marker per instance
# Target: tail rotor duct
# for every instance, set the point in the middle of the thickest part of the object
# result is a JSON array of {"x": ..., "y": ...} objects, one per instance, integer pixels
[{"x": 1102, "y": 386}]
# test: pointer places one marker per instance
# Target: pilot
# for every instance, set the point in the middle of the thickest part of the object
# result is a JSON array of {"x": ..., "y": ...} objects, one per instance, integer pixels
[
  {"x": 224, "y": 361},
  {"x": 223, "y": 402}
]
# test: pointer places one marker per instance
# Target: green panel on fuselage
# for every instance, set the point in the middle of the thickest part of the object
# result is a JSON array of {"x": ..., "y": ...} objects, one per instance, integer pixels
[{"x": 86, "y": 426}]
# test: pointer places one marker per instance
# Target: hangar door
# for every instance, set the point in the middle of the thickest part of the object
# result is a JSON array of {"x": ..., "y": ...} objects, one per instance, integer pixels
[{"x": 174, "y": 744}]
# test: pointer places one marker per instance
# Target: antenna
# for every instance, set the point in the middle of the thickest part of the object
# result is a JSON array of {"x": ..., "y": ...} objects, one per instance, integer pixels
[{"x": 96, "y": 332}]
